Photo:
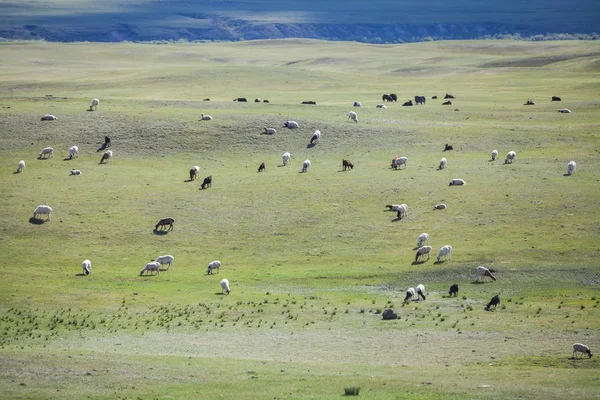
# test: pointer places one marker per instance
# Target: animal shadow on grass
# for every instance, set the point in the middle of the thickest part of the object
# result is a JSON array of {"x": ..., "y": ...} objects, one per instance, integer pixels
[
  {"x": 16, "y": 172},
  {"x": 439, "y": 262},
  {"x": 220, "y": 294},
  {"x": 43, "y": 158},
  {"x": 418, "y": 262},
  {"x": 281, "y": 165},
  {"x": 397, "y": 219},
  {"x": 189, "y": 180},
  {"x": 101, "y": 148},
  {"x": 478, "y": 282},
  {"x": 36, "y": 221},
  {"x": 160, "y": 232},
  {"x": 567, "y": 174},
  {"x": 310, "y": 145},
  {"x": 80, "y": 274},
  {"x": 416, "y": 248},
  {"x": 67, "y": 159}
]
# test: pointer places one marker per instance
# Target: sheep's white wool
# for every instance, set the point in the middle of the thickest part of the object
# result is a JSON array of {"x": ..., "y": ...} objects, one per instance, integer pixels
[
  {"x": 214, "y": 265},
  {"x": 151, "y": 267},
  {"x": 445, "y": 251},
  {"x": 225, "y": 286},
  {"x": 42, "y": 210},
  {"x": 166, "y": 260}
]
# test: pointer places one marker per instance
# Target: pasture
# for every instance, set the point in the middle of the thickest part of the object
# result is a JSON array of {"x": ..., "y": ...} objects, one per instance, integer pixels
[{"x": 312, "y": 259}]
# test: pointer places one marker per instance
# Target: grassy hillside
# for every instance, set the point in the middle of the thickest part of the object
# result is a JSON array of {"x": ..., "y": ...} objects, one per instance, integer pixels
[{"x": 314, "y": 258}]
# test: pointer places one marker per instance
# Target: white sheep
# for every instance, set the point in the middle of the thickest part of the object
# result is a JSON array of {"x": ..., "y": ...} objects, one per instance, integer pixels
[
  {"x": 151, "y": 267},
  {"x": 398, "y": 161},
  {"x": 21, "y": 166},
  {"x": 42, "y": 210},
  {"x": 494, "y": 155},
  {"x": 87, "y": 267},
  {"x": 315, "y": 137},
  {"x": 482, "y": 272},
  {"x": 76, "y": 172},
  {"x": 94, "y": 105},
  {"x": 206, "y": 117},
  {"x": 422, "y": 251},
  {"x": 357, "y": 104},
  {"x": 49, "y": 117},
  {"x": 421, "y": 291},
  {"x": 440, "y": 206},
  {"x": 270, "y": 131},
  {"x": 194, "y": 172},
  {"x": 225, "y": 286},
  {"x": 445, "y": 251},
  {"x": 286, "y": 158},
  {"x": 46, "y": 152},
  {"x": 581, "y": 348},
  {"x": 305, "y": 165},
  {"x": 73, "y": 152},
  {"x": 166, "y": 260},
  {"x": 291, "y": 125},
  {"x": 510, "y": 157},
  {"x": 353, "y": 116},
  {"x": 443, "y": 163},
  {"x": 564, "y": 110},
  {"x": 457, "y": 182},
  {"x": 410, "y": 293},
  {"x": 402, "y": 211},
  {"x": 393, "y": 207},
  {"x": 106, "y": 156},
  {"x": 214, "y": 265},
  {"x": 571, "y": 166},
  {"x": 423, "y": 238}
]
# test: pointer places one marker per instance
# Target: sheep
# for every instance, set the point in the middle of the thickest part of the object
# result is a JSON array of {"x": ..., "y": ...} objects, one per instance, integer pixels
[
  {"x": 581, "y": 348},
  {"x": 393, "y": 207},
  {"x": 443, "y": 163},
  {"x": 212, "y": 266},
  {"x": 87, "y": 267},
  {"x": 315, "y": 137},
  {"x": 510, "y": 157},
  {"x": 94, "y": 105},
  {"x": 402, "y": 211},
  {"x": 529, "y": 103},
  {"x": 457, "y": 182},
  {"x": 73, "y": 152},
  {"x": 205, "y": 117},
  {"x": 453, "y": 290},
  {"x": 42, "y": 210},
  {"x": 421, "y": 291},
  {"x": 422, "y": 251},
  {"x": 106, "y": 156},
  {"x": 75, "y": 172},
  {"x": 49, "y": 117},
  {"x": 305, "y": 165},
  {"x": 346, "y": 164},
  {"x": 448, "y": 147},
  {"x": 164, "y": 222},
  {"x": 440, "y": 206},
  {"x": 21, "y": 166},
  {"x": 357, "y": 104},
  {"x": 493, "y": 302},
  {"x": 291, "y": 125},
  {"x": 225, "y": 286},
  {"x": 494, "y": 155},
  {"x": 571, "y": 166},
  {"x": 207, "y": 182},
  {"x": 482, "y": 272},
  {"x": 353, "y": 116},
  {"x": 389, "y": 314},
  {"x": 168, "y": 260},
  {"x": 445, "y": 251},
  {"x": 151, "y": 267},
  {"x": 270, "y": 131},
  {"x": 423, "y": 238},
  {"x": 398, "y": 161},
  {"x": 46, "y": 152},
  {"x": 410, "y": 293},
  {"x": 262, "y": 167},
  {"x": 564, "y": 110},
  {"x": 381, "y": 106},
  {"x": 285, "y": 158},
  {"x": 194, "y": 172}
]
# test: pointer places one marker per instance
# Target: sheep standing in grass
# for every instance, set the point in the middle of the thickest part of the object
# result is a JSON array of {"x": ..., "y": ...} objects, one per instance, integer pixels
[
  {"x": 564, "y": 111},
  {"x": 194, "y": 172},
  {"x": 262, "y": 167},
  {"x": 445, "y": 251},
  {"x": 510, "y": 157},
  {"x": 87, "y": 267},
  {"x": 423, "y": 238},
  {"x": 315, "y": 137},
  {"x": 46, "y": 152},
  {"x": 225, "y": 286},
  {"x": 94, "y": 105},
  {"x": 291, "y": 125},
  {"x": 399, "y": 161},
  {"x": 421, "y": 291},
  {"x": 571, "y": 166},
  {"x": 422, "y": 251},
  {"x": 75, "y": 172},
  {"x": 357, "y": 104},
  {"x": 443, "y": 163},
  {"x": 305, "y": 165},
  {"x": 165, "y": 222},
  {"x": 285, "y": 158},
  {"x": 166, "y": 260},
  {"x": 493, "y": 302},
  {"x": 270, "y": 131},
  {"x": 353, "y": 116},
  {"x": 212, "y": 266},
  {"x": 73, "y": 152},
  {"x": 482, "y": 272},
  {"x": 49, "y": 117},
  {"x": 581, "y": 348},
  {"x": 453, "y": 290},
  {"x": 42, "y": 210},
  {"x": 106, "y": 156},
  {"x": 21, "y": 166},
  {"x": 494, "y": 155},
  {"x": 410, "y": 293},
  {"x": 440, "y": 206},
  {"x": 457, "y": 182},
  {"x": 205, "y": 117},
  {"x": 151, "y": 267},
  {"x": 402, "y": 211}
]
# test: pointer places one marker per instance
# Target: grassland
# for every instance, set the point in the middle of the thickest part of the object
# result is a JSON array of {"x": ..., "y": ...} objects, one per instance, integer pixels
[{"x": 312, "y": 258}]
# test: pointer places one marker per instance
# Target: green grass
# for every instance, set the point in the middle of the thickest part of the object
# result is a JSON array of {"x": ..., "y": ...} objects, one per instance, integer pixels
[{"x": 313, "y": 259}]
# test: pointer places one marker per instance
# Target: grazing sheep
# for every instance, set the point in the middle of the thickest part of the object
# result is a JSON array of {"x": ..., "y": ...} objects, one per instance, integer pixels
[
  {"x": 393, "y": 207},
  {"x": 291, "y": 125},
  {"x": 443, "y": 163},
  {"x": 421, "y": 291},
  {"x": 556, "y": 98},
  {"x": 353, "y": 116},
  {"x": 423, "y": 238},
  {"x": 262, "y": 167},
  {"x": 493, "y": 302},
  {"x": 309, "y": 102},
  {"x": 581, "y": 348},
  {"x": 445, "y": 251},
  {"x": 440, "y": 206},
  {"x": 241, "y": 100},
  {"x": 21, "y": 166},
  {"x": 389, "y": 314},
  {"x": 285, "y": 158},
  {"x": 166, "y": 260},
  {"x": 42, "y": 210},
  {"x": 510, "y": 157},
  {"x": 194, "y": 172},
  {"x": 94, "y": 105},
  {"x": 257, "y": 100},
  {"x": 76, "y": 172},
  {"x": 571, "y": 166},
  {"x": 457, "y": 182},
  {"x": 73, "y": 152},
  {"x": 346, "y": 164},
  {"x": 205, "y": 117},
  {"x": 407, "y": 103},
  {"x": 447, "y": 103},
  {"x": 212, "y": 266},
  {"x": 357, "y": 104},
  {"x": 410, "y": 293},
  {"x": 106, "y": 156},
  {"x": 402, "y": 211},
  {"x": 381, "y": 106},
  {"x": 305, "y": 165},
  {"x": 315, "y": 137},
  {"x": 529, "y": 103},
  {"x": 422, "y": 251},
  {"x": 164, "y": 222},
  {"x": 87, "y": 267},
  {"x": 494, "y": 155},
  {"x": 453, "y": 290},
  {"x": 564, "y": 110},
  {"x": 225, "y": 286},
  {"x": 482, "y": 272},
  {"x": 46, "y": 152},
  {"x": 107, "y": 142},
  {"x": 270, "y": 131},
  {"x": 207, "y": 182},
  {"x": 49, "y": 117},
  {"x": 448, "y": 147},
  {"x": 449, "y": 96},
  {"x": 151, "y": 267},
  {"x": 398, "y": 161}
]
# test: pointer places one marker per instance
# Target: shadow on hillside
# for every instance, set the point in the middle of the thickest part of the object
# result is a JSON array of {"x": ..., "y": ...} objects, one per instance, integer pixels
[
  {"x": 396, "y": 219},
  {"x": 81, "y": 274},
  {"x": 160, "y": 232},
  {"x": 189, "y": 180},
  {"x": 16, "y": 172},
  {"x": 102, "y": 148},
  {"x": 567, "y": 174},
  {"x": 439, "y": 262},
  {"x": 220, "y": 294},
  {"x": 311, "y": 145},
  {"x": 67, "y": 159},
  {"x": 36, "y": 221},
  {"x": 418, "y": 262}
]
